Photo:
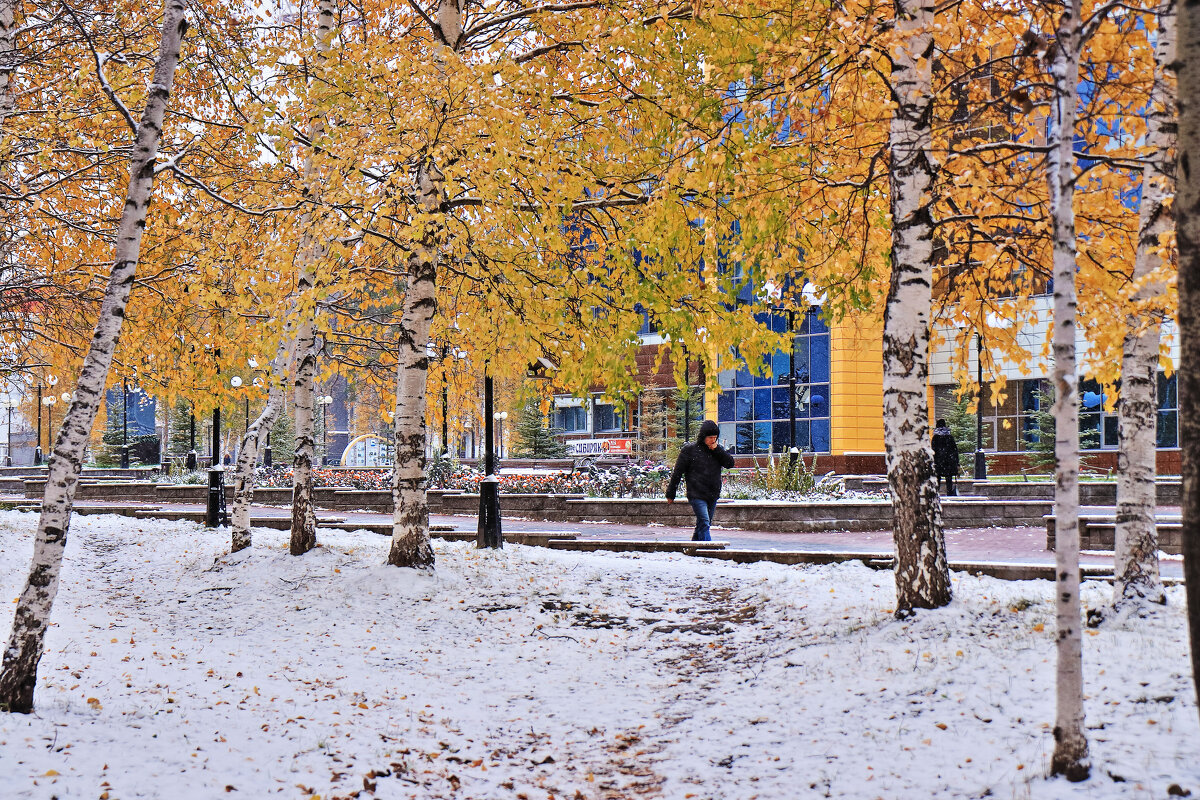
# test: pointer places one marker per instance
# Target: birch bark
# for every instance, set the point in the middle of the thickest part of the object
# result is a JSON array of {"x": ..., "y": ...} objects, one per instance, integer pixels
[
  {"x": 1187, "y": 220},
  {"x": 8, "y": 58},
  {"x": 922, "y": 574},
  {"x": 304, "y": 517},
  {"x": 243, "y": 480},
  {"x": 1136, "y": 550},
  {"x": 411, "y": 546},
  {"x": 18, "y": 676},
  {"x": 1070, "y": 745}
]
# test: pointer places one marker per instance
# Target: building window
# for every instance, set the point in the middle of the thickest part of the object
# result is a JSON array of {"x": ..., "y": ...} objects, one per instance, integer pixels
[
  {"x": 572, "y": 419},
  {"x": 1098, "y": 425},
  {"x": 1010, "y": 424},
  {"x": 1168, "y": 411},
  {"x": 754, "y": 412},
  {"x": 606, "y": 417}
]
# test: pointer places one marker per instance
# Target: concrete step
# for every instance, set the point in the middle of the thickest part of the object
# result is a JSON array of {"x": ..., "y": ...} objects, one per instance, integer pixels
[
  {"x": 871, "y": 559},
  {"x": 140, "y": 512},
  {"x": 1099, "y": 532},
  {"x": 634, "y": 545},
  {"x": 279, "y": 523}
]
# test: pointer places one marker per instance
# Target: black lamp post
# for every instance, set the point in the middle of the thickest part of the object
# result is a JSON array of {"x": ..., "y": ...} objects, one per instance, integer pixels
[
  {"x": 215, "y": 512},
  {"x": 267, "y": 451},
  {"x": 793, "y": 451},
  {"x": 445, "y": 414},
  {"x": 37, "y": 451},
  {"x": 980, "y": 458},
  {"x": 192, "y": 461},
  {"x": 8, "y": 440},
  {"x": 323, "y": 401},
  {"x": 49, "y": 402},
  {"x": 500, "y": 417},
  {"x": 490, "y": 533}
]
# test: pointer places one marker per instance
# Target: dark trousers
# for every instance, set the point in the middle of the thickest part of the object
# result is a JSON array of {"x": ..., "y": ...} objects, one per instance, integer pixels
[{"x": 949, "y": 477}]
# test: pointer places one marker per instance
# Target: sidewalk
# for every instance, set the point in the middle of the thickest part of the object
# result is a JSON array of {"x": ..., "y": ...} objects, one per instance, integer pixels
[{"x": 1019, "y": 545}]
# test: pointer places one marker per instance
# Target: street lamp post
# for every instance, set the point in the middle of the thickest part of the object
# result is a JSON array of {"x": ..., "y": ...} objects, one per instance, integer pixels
[
  {"x": 192, "y": 461},
  {"x": 500, "y": 417},
  {"x": 980, "y": 458},
  {"x": 49, "y": 402},
  {"x": 216, "y": 514},
  {"x": 490, "y": 534},
  {"x": 8, "y": 439},
  {"x": 323, "y": 401},
  {"x": 37, "y": 451},
  {"x": 793, "y": 451}
]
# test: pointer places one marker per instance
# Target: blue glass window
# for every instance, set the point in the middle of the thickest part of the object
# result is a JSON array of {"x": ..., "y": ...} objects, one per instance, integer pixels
[
  {"x": 744, "y": 406},
  {"x": 820, "y": 435},
  {"x": 756, "y": 421},
  {"x": 725, "y": 405},
  {"x": 762, "y": 437},
  {"x": 819, "y": 400},
  {"x": 762, "y": 404},
  {"x": 780, "y": 364},
  {"x": 779, "y": 403},
  {"x": 781, "y": 436},
  {"x": 818, "y": 351},
  {"x": 745, "y": 437}
]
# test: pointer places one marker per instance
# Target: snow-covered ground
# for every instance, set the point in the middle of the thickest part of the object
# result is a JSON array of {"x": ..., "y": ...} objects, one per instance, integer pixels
[{"x": 175, "y": 670}]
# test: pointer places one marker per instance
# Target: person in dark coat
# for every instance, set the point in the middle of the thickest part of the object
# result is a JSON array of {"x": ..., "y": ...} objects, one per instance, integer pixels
[
  {"x": 700, "y": 463},
  {"x": 945, "y": 456}
]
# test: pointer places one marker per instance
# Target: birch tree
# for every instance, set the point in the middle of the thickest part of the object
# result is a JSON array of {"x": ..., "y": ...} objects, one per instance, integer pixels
[
  {"x": 18, "y": 674},
  {"x": 1070, "y": 744},
  {"x": 922, "y": 574},
  {"x": 1135, "y": 563},
  {"x": 243, "y": 480},
  {"x": 1187, "y": 220},
  {"x": 310, "y": 253}
]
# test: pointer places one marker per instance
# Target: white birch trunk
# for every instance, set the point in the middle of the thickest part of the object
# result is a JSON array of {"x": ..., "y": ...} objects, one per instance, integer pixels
[
  {"x": 1070, "y": 744},
  {"x": 243, "y": 479},
  {"x": 411, "y": 546},
  {"x": 8, "y": 58},
  {"x": 1187, "y": 220},
  {"x": 922, "y": 574},
  {"x": 18, "y": 676},
  {"x": 1135, "y": 563},
  {"x": 304, "y": 516}
]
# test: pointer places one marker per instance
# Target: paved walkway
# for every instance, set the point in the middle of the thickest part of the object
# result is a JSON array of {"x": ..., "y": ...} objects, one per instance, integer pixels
[{"x": 1025, "y": 545}]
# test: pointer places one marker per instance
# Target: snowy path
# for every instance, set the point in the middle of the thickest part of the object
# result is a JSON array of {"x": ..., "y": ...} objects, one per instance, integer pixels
[{"x": 177, "y": 671}]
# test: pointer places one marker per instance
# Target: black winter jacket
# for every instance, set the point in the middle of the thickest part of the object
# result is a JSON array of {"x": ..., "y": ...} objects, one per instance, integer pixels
[
  {"x": 701, "y": 467},
  {"x": 945, "y": 452}
]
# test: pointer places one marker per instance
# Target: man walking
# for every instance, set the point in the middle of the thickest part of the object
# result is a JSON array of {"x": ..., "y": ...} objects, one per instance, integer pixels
[{"x": 700, "y": 463}]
